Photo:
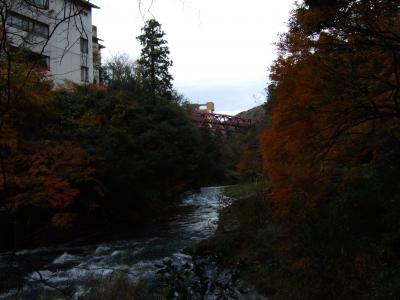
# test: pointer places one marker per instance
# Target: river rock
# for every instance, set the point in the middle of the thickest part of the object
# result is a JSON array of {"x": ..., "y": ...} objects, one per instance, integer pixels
[{"x": 231, "y": 225}]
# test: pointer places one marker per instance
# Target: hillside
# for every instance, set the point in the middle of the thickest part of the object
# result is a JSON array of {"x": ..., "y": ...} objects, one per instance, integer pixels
[{"x": 257, "y": 112}]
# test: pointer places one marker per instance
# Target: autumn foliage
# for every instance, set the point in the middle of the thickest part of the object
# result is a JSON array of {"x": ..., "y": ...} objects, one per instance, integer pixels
[
  {"x": 93, "y": 159},
  {"x": 43, "y": 181},
  {"x": 331, "y": 153}
]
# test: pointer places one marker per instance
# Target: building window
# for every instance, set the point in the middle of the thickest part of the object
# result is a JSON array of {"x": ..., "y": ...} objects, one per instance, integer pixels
[
  {"x": 27, "y": 24},
  {"x": 41, "y": 61},
  {"x": 25, "y": 56},
  {"x": 84, "y": 46},
  {"x": 42, "y": 4},
  {"x": 84, "y": 74}
]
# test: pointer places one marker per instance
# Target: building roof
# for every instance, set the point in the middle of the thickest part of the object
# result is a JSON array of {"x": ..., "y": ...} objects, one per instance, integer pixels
[
  {"x": 85, "y": 4},
  {"x": 96, "y": 39}
]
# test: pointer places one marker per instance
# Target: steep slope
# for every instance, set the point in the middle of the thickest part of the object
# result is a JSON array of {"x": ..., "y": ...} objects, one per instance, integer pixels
[{"x": 257, "y": 113}]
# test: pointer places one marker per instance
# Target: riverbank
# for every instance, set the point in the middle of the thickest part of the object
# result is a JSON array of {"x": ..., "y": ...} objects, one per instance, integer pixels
[
  {"x": 303, "y": 260},
  {"x": 246, "y": 237}
]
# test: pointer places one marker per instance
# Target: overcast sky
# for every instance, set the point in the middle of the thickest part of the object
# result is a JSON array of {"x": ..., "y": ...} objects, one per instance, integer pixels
[{"x": 221, "y": 49}]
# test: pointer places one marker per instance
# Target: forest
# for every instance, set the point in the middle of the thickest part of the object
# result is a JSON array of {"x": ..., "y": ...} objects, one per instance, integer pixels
[
  {"x": 330, "y": 156},
  {"x": 318, "y": 216},
  {"x": 80, "y": 160}
]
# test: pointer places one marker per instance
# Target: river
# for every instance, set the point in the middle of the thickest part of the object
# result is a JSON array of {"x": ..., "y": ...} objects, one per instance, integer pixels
[{"x": 74, "y": 267}]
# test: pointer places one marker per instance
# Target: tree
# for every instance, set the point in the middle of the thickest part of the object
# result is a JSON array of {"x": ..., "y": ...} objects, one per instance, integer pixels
[
  {"x": 154, "y": 62},
  {"x": 23, "y": 77},
  {"x": 32, "y": 172},
  {"x": 119, "y": 69},
  {"x": 331, "y": 153},
  {"x": 317, "y": 126}
]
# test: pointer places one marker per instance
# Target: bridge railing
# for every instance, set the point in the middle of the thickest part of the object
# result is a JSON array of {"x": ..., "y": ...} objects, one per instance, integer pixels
[{"x": 220, "y": 121}]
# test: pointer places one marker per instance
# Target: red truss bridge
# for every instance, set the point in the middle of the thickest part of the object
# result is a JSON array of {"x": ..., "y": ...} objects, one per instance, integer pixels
[{"x": 210, "y": 120}]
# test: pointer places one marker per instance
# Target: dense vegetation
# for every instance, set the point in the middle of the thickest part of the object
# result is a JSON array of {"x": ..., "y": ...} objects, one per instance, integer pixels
[
  {"x": 332, "y": 152},
  {"x": 325, "y": 221},
  {"x": 331, "y": 159},
  {"x": 78, "y": 160}
]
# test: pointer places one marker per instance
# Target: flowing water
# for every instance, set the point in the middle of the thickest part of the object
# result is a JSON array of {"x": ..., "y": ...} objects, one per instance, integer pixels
[{"x": 74, "y": 267}]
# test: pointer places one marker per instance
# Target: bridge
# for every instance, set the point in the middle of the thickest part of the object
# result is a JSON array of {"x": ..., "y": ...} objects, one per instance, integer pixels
[
  {"x": 203, "y": 116},
  {"x": 203, "y": 119}
]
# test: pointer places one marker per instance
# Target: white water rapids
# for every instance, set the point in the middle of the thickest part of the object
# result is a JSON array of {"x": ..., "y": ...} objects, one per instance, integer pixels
[{"x": 73, "y": 267}]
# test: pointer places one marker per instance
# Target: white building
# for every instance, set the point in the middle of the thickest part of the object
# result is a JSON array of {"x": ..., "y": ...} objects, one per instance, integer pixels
[
  {"x": 59, "y": 33},
  {"x": 97, "y": 77}
]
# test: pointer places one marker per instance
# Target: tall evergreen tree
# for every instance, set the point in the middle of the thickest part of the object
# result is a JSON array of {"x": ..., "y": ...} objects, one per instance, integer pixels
[{"x": 154, "y": 61}]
